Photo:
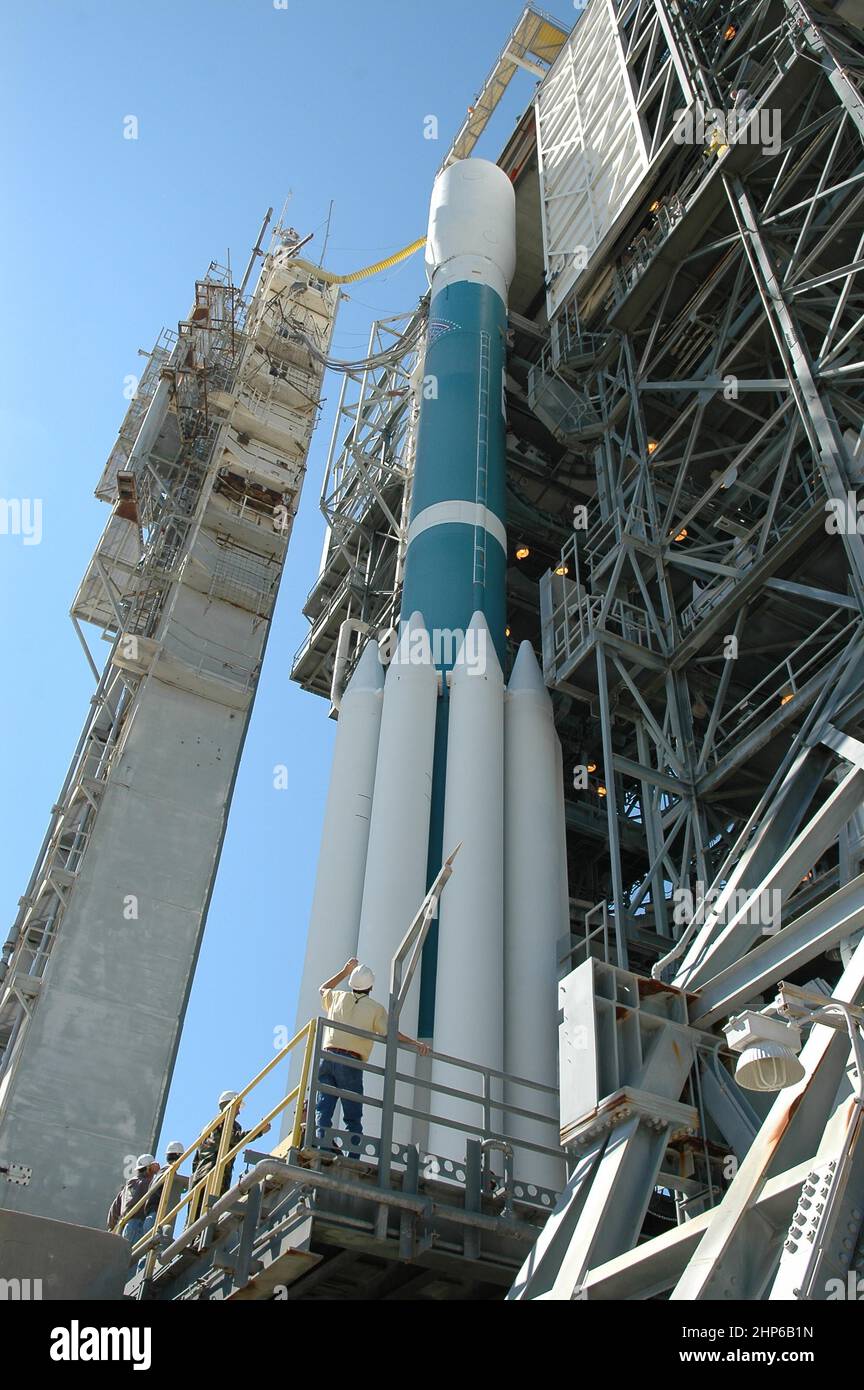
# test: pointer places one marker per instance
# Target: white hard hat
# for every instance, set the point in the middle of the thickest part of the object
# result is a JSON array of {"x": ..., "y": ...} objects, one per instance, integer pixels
[
  {"x": 175, "y": 1148},
  {"x": 361, "y": 977},
  {"x": 227, "y": 1096},
  {"x": 144, "y": 1160}
]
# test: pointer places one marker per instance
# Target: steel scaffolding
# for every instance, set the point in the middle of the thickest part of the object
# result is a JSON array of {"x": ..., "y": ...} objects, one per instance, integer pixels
[
  {"x": 707, "y": 616},
  {"x": 685, "y": 399},
  {"x": 203, "y": 484}
]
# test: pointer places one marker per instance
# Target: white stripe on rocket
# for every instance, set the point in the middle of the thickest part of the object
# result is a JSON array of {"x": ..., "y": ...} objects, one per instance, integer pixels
[{"x": 463, "y": 513}]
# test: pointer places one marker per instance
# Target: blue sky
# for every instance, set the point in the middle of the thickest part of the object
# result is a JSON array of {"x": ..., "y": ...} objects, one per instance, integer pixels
[{"x": 238, "y": 103}]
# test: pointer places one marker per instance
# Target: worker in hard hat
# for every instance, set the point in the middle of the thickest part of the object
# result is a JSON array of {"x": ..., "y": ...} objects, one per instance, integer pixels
[
  {"x": 131, "y": 1192},
  {"x": 356, "y": 1007},
  {"x": 204, "y": 1160},
  {"x": 173, "y": 1151},
  {"x": 179, "y": 1182}
]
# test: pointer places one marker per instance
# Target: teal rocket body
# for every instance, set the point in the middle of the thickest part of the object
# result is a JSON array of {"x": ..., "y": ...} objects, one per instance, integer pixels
[
  {"x": 456, "y": 558},
  {"x": 456, "y": 555}
]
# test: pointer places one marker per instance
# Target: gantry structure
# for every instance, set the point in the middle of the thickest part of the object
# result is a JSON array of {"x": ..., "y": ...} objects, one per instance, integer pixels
[
  {"x": 685, "y": 413},
  {"x": 203, "y": 485}
]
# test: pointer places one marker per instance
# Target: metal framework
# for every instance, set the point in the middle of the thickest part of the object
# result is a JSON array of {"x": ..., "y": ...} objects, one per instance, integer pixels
[
  {"x": 685, "y": 405},
  {"x": 203, "y": 483},
  {"x": 364, "y": 499},
  {"x": 706, "y": 615},
  {"x": 396, "y": 1222}
]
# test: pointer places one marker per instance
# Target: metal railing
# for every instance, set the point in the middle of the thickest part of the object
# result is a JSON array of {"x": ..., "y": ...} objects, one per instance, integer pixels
[
  {"x": 677, "y": 204},
  {"x": 209, "y": 1187},
  {"x": 484, "y": 1093},
  {"x": 602, "y": 537},
  {"x": 485, "y": 1089},
  {"x": 578, "y": 616},
  {"x": 812, "y": 656},
  {"x": 211, "y": 1198}
]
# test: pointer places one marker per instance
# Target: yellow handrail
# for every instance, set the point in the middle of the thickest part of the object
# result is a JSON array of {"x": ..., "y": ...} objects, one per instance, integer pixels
[{"x": 209, "y": 1185}]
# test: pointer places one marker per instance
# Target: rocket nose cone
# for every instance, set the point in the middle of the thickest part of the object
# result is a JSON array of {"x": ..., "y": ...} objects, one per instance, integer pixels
[
  {"x": 526, "y": 675},
  {"x": 476, "y": 654},
  {"x": 368, "y": 673}
]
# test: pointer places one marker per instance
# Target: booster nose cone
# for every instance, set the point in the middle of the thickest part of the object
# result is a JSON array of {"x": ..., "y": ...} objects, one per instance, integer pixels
[
  {"x": 414, "y": 647},
  {"x": 526, "y": 676},
  {"x": 368, "y": 673},
  {"x": 476, "y": 655}
]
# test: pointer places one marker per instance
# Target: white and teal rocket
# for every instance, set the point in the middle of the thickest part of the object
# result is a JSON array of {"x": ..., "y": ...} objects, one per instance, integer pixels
[
  {"x": 456, "y": 558},
  {"x": 437, "y": 752}
]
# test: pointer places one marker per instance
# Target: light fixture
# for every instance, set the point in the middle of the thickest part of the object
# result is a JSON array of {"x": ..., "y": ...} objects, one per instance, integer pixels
[
  {"x": 601, "y": 790},
  {"x": 563, "y": 569},
  {"x": 506, "y": 632},
  {"x": 768, "y": 1066},
  {"x": 591, "y": 767},
  {"x": 784, "y": 699},
  {"x": 730, "y": 33},
  {"x": 653, "y": 446},
  {"x": 682, "y": 534},
  {"x": 655, "y": 205},
  {"x": 522, "y": 552},
  {"x": 767, "y": 1049}
]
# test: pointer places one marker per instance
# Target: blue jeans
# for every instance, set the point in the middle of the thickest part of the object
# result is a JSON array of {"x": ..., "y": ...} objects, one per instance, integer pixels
[
  {"x": 147, "y": 1225},
  {"x": 133, "y": 1230},
  {"x": 334, "y": 1072}
]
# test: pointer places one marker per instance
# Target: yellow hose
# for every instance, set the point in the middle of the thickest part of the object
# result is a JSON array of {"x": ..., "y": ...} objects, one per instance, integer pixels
[{"x": 402, "y": 255}]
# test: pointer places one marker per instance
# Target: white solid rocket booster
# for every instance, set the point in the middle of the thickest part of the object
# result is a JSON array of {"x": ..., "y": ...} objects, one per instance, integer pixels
[
  {"x": 469, "y": 1020},
  {"x": 536, "y": 906},
  {"x": 396, "y": 862},
  {"x": 334, "y": 923}
]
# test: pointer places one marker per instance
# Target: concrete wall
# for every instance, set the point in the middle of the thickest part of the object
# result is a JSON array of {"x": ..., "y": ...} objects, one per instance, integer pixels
[
  {"x": 52, "y": 1260},
  {"x": 88, "y": 1090}
]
